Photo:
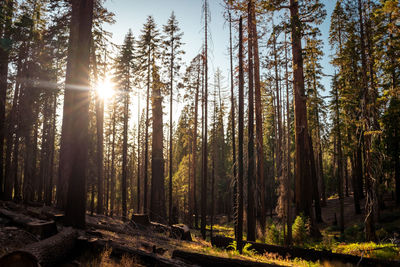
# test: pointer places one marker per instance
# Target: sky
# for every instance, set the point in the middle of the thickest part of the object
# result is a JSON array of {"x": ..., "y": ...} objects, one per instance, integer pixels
[{"x": 132, "y": 14}]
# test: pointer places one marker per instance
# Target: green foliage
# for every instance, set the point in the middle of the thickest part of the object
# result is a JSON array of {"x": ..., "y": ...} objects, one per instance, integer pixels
[
  {"x": 301, "y": 229},
  {"x": 371, "y": 250},
  {"x": 355, "y": 233},
  {"x": 274, "y": 234},
  {"x": 245, "y": 251}
]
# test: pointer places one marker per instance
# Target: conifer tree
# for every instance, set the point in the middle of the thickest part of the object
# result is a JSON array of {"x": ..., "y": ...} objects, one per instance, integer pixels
[{"x": 171, "y": 57}]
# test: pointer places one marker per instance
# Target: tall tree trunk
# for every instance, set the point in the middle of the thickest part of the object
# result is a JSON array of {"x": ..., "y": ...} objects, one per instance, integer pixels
[
  {"x": 339, "y": 161},
  {"x": 100, "y": 139},
  {"x": 49, "y": 182},
  {"x": 205, "y": 154},
  {"x": 138, "y": 158},
  {"x": 288, "y": 240},
  {"x": 5, "y": 34},
  {"x": 157, "y": 203},
  {"x": 303, "y": 181},
  {"x": 112, "y": 191},
  {"x": 239, "y": 216},
  {"x": 233, "y": 119},
  {"x": 78, "y": 73},
  {"x": 11, "y": 130},
  {"x": 125, "y": 152},
  {"x": 259, "y": 123},
  {"x": 369, "y": 183},
  {"x": 251, "y": 222},
  {"x": 146, "y": 137},
  {"x": 170, "y": 131},
  {"x": 192, "y": 193},
  {"x": 67, "y": 142}
]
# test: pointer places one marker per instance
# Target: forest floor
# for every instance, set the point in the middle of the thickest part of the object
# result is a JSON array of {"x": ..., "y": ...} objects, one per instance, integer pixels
[{"x": 160, "y": 244}]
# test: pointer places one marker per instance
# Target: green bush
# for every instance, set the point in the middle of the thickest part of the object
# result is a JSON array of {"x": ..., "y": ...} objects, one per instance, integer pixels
[
  {"x": 274, "y": 234},
  {"x": 355, "y": 233},
  {"x": 301, "y": 230}
]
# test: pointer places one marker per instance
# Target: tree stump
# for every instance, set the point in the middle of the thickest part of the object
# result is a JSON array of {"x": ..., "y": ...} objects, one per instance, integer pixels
[
  {"x": 181, "y": 231},
  {"x": 43, "y": 229}
]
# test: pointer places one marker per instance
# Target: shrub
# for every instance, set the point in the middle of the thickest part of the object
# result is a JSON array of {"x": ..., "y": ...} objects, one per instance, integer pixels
[{"x": 301, "y": 229}]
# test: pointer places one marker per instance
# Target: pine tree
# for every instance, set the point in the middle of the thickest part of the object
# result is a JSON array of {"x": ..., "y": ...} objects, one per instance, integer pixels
[
  {"x": 148, "y": 52},
  {"x": 171, "y": 57},
  {"x": 124, "y": 66}
]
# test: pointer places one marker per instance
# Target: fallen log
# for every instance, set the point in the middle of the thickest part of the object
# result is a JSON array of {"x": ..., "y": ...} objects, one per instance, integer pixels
[
  {"x": 118, "y": 250},
  {"x": 141, "y": 219},
  {"x": 306, "y": 254},
  {"x": 207, "y": 260},
  {"x": 40, "y": 228},
  {"x": 47, "y": 252}
]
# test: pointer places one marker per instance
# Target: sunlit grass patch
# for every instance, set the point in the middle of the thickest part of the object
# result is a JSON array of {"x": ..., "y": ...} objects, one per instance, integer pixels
[{"x": 370, "y": 250}]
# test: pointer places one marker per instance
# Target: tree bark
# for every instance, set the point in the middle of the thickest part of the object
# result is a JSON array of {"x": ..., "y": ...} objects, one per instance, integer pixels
[
  {"x": 48, "y": 252},
  {"x": 251, "y": 222},
  {"x": 205, "y": 154},
  {"x": 239, "y": 216},
  {"x": 157, "y": 203},
  {"x": 5, "y": 34},
  {"x": 259, "y": 123},
  {"x": 78, "y": 74},
  {"x": 303, "y": 181}
]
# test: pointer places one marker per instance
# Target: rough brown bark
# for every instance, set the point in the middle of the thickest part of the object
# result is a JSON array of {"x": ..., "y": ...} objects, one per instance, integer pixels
[
  {"x": 251, "y": 222},
  {"x": 233, "y": 126},
  {"x": 99, "y": 135},
  {"x": 204, "y": 143},
  {"x": 239, "y": 216},
  {"x": 259, "y": 123},
  {"x": 78, "y": 74},
  {"x": 157, "y": 203},
  {"x": 5, "y": 34},
  {"x": 125, "y": 150},
  {"x": 369, "y": 182},
  {"x": 192, "y": 196},
  {"x": 303, "y": 181},
  {"x": 48, "y": 252}
]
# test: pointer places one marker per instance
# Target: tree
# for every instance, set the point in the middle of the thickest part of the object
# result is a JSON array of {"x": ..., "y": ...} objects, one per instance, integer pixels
[
  {"x": 124, "y": 68},
  {"x": 148, "y": 51},
  {"x": 251, "y": 223},
  {"x": 239, "y": 218},
  {"x": 157, "y": 202},
  {"x": 6, "y": 14},
  {"x": 204, "y": 142},
  {"x": 171, "y": 58},
  {"x": 76, "y": 105}
]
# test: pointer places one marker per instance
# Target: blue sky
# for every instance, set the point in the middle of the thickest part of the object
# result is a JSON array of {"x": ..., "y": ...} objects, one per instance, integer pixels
[{"x": 132, "y": 14}]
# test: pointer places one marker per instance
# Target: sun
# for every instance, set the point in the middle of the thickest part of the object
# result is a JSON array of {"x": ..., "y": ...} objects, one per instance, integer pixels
[{"x": 105, "y": 88}]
